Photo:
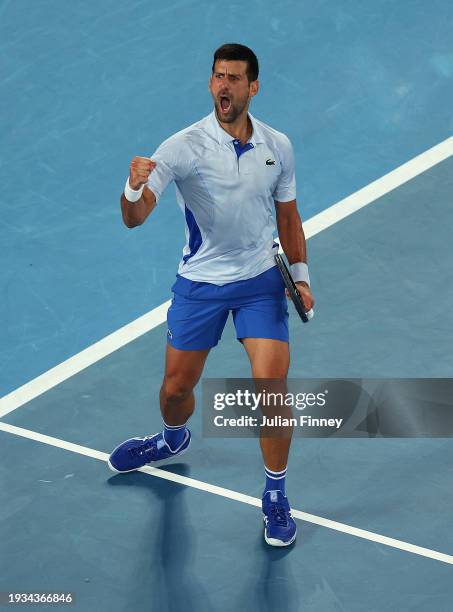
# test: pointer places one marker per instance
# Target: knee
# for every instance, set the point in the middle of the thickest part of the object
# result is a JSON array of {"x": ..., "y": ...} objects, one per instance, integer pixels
[
  {"x": 274, "y": 373},
  {"x": 175, "y": 390}
]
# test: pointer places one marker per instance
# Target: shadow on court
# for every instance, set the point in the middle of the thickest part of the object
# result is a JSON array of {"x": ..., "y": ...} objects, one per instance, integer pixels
[{"x": 171, "y": 541}]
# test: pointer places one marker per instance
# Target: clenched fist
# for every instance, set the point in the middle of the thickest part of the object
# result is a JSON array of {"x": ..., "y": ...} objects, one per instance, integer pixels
[{"x": 140, "y": 169}]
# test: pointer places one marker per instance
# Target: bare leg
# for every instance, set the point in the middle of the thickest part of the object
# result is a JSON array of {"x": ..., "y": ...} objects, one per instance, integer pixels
[
  {"x": 182, "y": 372},
  {"x": 270, "y": 359}
]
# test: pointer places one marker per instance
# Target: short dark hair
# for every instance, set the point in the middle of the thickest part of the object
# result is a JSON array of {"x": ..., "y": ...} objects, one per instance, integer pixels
[{"x": 236, "y": 52}]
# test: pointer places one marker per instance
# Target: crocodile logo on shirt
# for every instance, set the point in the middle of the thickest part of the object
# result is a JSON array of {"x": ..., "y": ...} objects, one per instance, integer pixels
[{"x": 270, "y": 162}]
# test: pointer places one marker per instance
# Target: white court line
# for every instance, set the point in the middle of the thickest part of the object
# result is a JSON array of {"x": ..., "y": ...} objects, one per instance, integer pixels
[
  {"x": 83, "y": 360},
  {"x": 240, "y": 497},
  {"x": 155, "y": 317},
  {"x": 378, "y": 188}
]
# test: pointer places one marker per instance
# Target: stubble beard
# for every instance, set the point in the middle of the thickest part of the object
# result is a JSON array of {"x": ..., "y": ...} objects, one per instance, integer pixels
[{"x": 232, "y": 114}]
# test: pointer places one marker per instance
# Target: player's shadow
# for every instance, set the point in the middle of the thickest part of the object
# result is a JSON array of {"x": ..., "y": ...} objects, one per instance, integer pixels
[
  {"x": 275, "y": 587},
  {"x": 168, "y": 546}
]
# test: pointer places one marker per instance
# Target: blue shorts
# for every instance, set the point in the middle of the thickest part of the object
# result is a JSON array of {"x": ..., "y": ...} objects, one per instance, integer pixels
[{"x": 199, "y": 311}]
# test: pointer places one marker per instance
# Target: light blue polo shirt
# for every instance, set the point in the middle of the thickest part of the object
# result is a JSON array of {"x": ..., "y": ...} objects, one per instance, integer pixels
[{"x": 227, "y": 197}]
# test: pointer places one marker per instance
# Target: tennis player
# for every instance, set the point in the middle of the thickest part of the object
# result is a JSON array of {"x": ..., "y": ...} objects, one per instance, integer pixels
[{"x": 235, "y": 184}]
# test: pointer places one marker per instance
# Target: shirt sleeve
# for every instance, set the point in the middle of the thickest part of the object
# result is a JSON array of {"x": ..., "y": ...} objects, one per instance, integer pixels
[
  {"x": 172, "y": 164},
  {"x": 285, "y": 190}
]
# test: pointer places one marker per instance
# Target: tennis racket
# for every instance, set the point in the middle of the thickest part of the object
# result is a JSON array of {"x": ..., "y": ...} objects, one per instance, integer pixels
[{"x": 293, "y": 290}]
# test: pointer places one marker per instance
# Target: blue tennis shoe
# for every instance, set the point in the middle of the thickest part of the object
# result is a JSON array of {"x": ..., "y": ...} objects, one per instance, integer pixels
[
  {"x": 150, "y": 450},
  {"x": 279, "y": 526}
]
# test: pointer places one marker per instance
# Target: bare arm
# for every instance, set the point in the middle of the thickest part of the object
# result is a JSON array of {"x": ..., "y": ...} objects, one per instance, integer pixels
[
  {"x": 292, "y": 239},
  {"x": 290, "y": 231},
  {"x": 136, "y": 213}
]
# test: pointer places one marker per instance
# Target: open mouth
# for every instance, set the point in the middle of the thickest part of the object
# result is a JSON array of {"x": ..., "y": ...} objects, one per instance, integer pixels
[{"x": 225, "y": 103}]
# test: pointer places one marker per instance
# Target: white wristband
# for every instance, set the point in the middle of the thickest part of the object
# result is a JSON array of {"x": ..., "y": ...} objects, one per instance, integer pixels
[
  {"x": 299, "y": 272},
  {"x": 133, "y": 195}
]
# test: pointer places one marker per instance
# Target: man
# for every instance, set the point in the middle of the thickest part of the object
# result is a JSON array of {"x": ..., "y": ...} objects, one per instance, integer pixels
[{"x": 230, "y": 171}]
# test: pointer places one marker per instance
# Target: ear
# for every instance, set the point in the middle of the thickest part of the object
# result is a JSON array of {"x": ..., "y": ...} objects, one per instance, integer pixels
[{"x": 254, "y": 88}]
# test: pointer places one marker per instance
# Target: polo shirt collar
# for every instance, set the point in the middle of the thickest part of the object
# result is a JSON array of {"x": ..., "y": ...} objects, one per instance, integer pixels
[{"x": 222, "y": 137}]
